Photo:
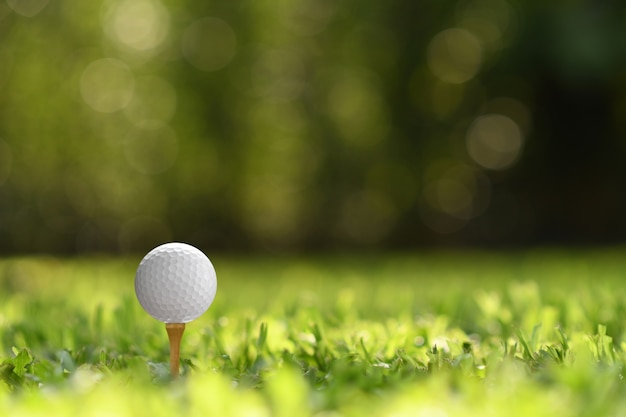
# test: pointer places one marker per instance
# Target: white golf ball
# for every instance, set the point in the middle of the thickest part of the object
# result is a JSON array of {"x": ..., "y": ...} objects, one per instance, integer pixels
[{"x": 175, "y": 283}]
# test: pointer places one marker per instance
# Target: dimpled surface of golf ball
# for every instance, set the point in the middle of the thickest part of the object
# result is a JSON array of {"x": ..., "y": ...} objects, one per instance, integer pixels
[{"x": 175, "y": 283}]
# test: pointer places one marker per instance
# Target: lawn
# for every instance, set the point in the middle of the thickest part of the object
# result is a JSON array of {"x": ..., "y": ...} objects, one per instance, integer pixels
[{"x": 430, "y": 334}]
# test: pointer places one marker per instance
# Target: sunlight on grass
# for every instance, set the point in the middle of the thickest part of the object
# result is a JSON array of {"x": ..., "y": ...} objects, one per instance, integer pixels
[{"x": 439, "y": 334}]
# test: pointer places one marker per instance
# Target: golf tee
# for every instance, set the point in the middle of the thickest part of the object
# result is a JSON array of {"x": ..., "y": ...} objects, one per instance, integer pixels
[{"x": 175, "y": 334}]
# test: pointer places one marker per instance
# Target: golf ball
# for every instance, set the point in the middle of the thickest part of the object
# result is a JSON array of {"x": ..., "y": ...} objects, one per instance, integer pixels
[{"x": 175, "y": 283}]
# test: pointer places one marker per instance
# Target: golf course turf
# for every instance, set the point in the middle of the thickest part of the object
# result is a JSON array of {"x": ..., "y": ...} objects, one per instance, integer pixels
[{"x": 466, "y": 333}]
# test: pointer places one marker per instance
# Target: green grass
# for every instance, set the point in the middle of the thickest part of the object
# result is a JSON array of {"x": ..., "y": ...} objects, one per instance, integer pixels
[{"x": 425, "y": 334}]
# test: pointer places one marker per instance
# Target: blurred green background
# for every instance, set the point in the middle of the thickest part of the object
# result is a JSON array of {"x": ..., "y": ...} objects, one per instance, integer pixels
[{"x": 310, "y": 125}]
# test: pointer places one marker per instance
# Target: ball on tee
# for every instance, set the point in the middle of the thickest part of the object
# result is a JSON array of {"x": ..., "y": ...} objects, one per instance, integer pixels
[{"x": 175, "y": 283}]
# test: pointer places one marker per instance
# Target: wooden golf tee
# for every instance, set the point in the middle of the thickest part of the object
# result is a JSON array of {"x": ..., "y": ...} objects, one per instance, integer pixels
[{"x": 175, "y": 334}]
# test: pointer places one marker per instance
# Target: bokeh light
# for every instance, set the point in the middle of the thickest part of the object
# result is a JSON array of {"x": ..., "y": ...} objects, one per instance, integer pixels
[
  {"x": 277, "y": 76},
  {"x": 107, "y": 85},
  {"x": 27, "y": 8},
  {"x": 309, "y": 124},
  {"x": 494, "y": 141},
  {"x": 310, "y": 17},
  {"x": 455, "y": 55},
  {"x": 141, "y": 25},
  {"x": 154, "y": 99},
  {"x": 453, "y": 195},
  {"x": 491, "y": 21},
  {"x": 512, "y": 108}
]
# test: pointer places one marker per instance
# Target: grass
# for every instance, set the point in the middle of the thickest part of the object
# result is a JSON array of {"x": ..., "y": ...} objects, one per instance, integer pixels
[{"x": 426, "y": 334}]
